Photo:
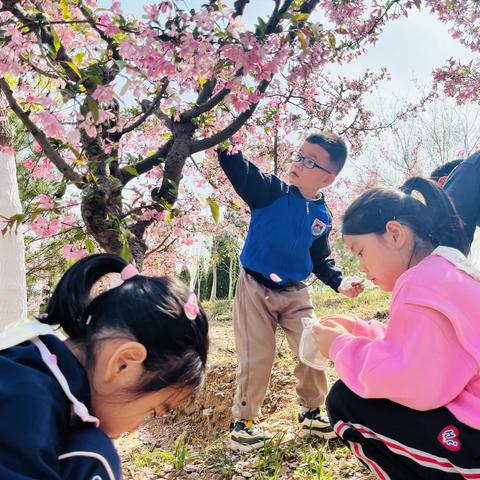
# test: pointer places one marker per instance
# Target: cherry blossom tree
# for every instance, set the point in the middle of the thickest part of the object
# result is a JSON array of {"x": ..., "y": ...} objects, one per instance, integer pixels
[
  {"x": 458, "y": 79},
  {"x": 118, "y": 105}
]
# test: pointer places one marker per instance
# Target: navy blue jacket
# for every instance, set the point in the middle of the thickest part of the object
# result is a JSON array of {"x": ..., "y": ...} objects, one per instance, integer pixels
[
  {"x": 39, "y": 439},
  {"x": 463, "y": 187},
  {"x": 288, "y": 234}
]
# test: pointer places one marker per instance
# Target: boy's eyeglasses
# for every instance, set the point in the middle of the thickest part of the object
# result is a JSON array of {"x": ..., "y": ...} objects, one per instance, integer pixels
[{"x": 308, "y": 162}]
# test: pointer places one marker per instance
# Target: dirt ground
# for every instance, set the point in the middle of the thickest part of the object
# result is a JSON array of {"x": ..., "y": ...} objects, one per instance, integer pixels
[{"x": 151, "y": 453}]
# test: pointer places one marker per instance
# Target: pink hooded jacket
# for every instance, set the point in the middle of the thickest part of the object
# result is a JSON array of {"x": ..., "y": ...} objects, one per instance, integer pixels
[{"x": 428, "y": 356}]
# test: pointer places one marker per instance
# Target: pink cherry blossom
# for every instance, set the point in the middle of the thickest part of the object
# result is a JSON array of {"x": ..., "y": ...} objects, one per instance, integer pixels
[
  {"x": 44, "y": 201},
  {"x": 104, "y": 93},
  {"x": 72, "y": 252},
  {"x": 235, "y": 25}
]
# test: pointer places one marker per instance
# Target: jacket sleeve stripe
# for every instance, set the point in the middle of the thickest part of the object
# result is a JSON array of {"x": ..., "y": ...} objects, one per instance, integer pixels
[{"x": 94, "y": 455}]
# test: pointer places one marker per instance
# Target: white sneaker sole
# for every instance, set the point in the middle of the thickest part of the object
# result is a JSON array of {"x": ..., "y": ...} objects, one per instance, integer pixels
[
  {"x": 243, "y": 447},
  {"x": 305, "y": 433}
]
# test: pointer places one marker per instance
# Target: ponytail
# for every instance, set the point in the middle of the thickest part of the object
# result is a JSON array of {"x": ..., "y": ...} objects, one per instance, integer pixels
[
  {"x": 71, "y": 297},
  {"x": 445, "y": 225},
  {"x": 435, "y": 220}
]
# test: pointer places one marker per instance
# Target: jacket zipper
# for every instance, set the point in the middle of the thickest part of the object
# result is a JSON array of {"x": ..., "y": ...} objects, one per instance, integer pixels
[{"x": 307, "y": 208}]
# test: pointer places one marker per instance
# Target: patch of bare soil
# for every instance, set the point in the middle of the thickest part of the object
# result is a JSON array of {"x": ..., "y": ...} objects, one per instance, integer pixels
[{"x": 205, "y": 423}]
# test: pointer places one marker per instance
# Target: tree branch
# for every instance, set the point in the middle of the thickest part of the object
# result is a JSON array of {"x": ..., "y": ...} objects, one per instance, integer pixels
[
  {"x": 204, "y": 106},
  {"x": 208, "y": 105},
  {"x": 148, "y": 109},
  {"x": 40, "y": 137},
  {"x": 37, "y": 26},
  {"x": 239, "y": 6},
  {"x": 109, "y": 41},
  {"x": 276, "y": 17},
  {"x": 206, "y": 91},
  {"x": 234, "y": 127},
  {"x": 149, "y": 162},
  {"x": 164, "y": 118}
]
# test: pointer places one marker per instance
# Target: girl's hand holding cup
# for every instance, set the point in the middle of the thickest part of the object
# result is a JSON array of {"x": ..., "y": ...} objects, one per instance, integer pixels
[
  {"x": 344, "y": 320},
  {"x": 325, "y": 333}
]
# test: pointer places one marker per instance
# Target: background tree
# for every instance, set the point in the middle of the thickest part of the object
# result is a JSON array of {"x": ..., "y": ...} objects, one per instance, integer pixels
[
  {"x": 13, "y": 288},
  {"x": 437, "y": 133}
]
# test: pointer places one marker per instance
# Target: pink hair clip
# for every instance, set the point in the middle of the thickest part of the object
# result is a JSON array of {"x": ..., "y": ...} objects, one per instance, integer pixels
[
  {"x": 128, "y": 272},
  {"x": 191, "y": 307}
]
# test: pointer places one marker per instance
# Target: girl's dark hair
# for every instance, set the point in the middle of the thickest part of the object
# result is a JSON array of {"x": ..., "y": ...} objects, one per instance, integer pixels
[
  {"x": 149, "y": 309},
  {"x": 435, "y": 221}
]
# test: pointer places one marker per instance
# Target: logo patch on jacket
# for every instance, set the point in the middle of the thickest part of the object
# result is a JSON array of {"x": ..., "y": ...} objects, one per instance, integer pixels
[
  {"x": 318, "y": 227},
  {"x": 448, "y": 437}
]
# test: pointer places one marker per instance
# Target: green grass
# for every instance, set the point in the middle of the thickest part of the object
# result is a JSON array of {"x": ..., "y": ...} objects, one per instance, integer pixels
[
  {"x": 218, "y": 309},
  {"x": 312, "y": 463},
  {"x": 371, "y": 303},
  {"x": 157, "y": 458},
  {"x": 270, "y": 459},
  {"x": 220, "y": 461}
]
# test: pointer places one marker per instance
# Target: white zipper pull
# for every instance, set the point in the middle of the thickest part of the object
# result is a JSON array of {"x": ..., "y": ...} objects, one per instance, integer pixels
[{"x": 308, "y": 209}]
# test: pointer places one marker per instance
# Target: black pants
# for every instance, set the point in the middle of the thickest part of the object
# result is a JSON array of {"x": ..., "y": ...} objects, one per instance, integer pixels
[{"x": 399, "y": 443}]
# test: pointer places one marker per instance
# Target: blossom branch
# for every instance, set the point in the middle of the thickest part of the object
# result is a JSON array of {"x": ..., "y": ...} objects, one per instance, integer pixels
[{"x": 40, "y": 137}]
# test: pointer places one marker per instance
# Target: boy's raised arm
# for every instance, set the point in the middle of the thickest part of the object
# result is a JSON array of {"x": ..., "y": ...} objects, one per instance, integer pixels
[{"x": 257, "y": 189}]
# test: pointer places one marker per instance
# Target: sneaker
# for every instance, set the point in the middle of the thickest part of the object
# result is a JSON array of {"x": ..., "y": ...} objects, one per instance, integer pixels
[
  {"x": 245, "y": 437},
  {"x": 312, "y": 422}
]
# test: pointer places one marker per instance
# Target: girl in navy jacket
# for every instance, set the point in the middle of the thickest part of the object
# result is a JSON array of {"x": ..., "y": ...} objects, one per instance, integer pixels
[{"x": 135, "y": 350}]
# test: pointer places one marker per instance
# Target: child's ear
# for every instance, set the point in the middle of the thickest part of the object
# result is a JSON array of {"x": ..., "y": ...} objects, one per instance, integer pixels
[
  {"x": 126, "y": 362},
  {"x": 328, "y": 180},
  {"x": 396, "y": 233}
]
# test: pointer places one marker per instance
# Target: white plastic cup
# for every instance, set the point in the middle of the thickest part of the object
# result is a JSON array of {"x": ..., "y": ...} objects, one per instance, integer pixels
[{"x": 308, "y": 350}]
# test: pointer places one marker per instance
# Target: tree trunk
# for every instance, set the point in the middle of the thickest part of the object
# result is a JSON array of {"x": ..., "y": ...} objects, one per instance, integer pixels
[
  {"x": 199, "y": 284},
  {"x": 13, "y": 285},
  {"x": 213, "y": 291},
  {"x": 275, "y": 153},
  {"x": 230, "y": 277}
]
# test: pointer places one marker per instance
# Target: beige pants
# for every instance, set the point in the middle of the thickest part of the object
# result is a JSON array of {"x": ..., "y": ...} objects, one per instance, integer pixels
[{"x": 257, "y": 313}]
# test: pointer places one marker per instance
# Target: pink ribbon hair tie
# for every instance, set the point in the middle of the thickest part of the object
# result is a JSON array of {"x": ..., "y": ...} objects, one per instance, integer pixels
[
  {"x": 191, "y": 307},
  {"x": 128, "y": 272}
]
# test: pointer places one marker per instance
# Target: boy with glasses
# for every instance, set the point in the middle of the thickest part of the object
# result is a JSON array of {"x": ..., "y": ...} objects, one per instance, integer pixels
[{"x": 287, "y": 240}]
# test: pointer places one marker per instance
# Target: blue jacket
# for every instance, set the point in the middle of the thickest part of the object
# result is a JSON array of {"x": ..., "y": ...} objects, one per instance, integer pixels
[
  {"x": 39, "y": 439},
  {"x": 463, "y": 187},
  {"x": 288, "y": 234}
]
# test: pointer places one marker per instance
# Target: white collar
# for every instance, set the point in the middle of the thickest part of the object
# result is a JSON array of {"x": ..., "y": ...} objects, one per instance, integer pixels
[
  {"x": 457, "y": 258},
  {"x": 20, "y": 332}
]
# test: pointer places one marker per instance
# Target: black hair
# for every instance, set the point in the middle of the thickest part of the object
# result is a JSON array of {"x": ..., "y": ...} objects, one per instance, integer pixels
[
  {"x": 149, "y": 309},
  {"x": 444, "y": 170},
  {"x": 334, "y": 145},
  {"x": 435, "y": 221}
]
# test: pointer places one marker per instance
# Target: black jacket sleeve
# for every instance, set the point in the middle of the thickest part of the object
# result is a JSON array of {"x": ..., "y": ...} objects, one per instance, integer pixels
[
  {"x": 89, "y": 454},
  {"x": 28, "y": 442},
  {"x": 463, "y": 187},
  {"x": 323, "y": 267},
  {"x": 257, "y": 189}
]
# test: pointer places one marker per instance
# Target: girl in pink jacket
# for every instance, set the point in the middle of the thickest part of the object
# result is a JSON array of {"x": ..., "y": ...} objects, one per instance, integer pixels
[{"x": 408, "y": 400}]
